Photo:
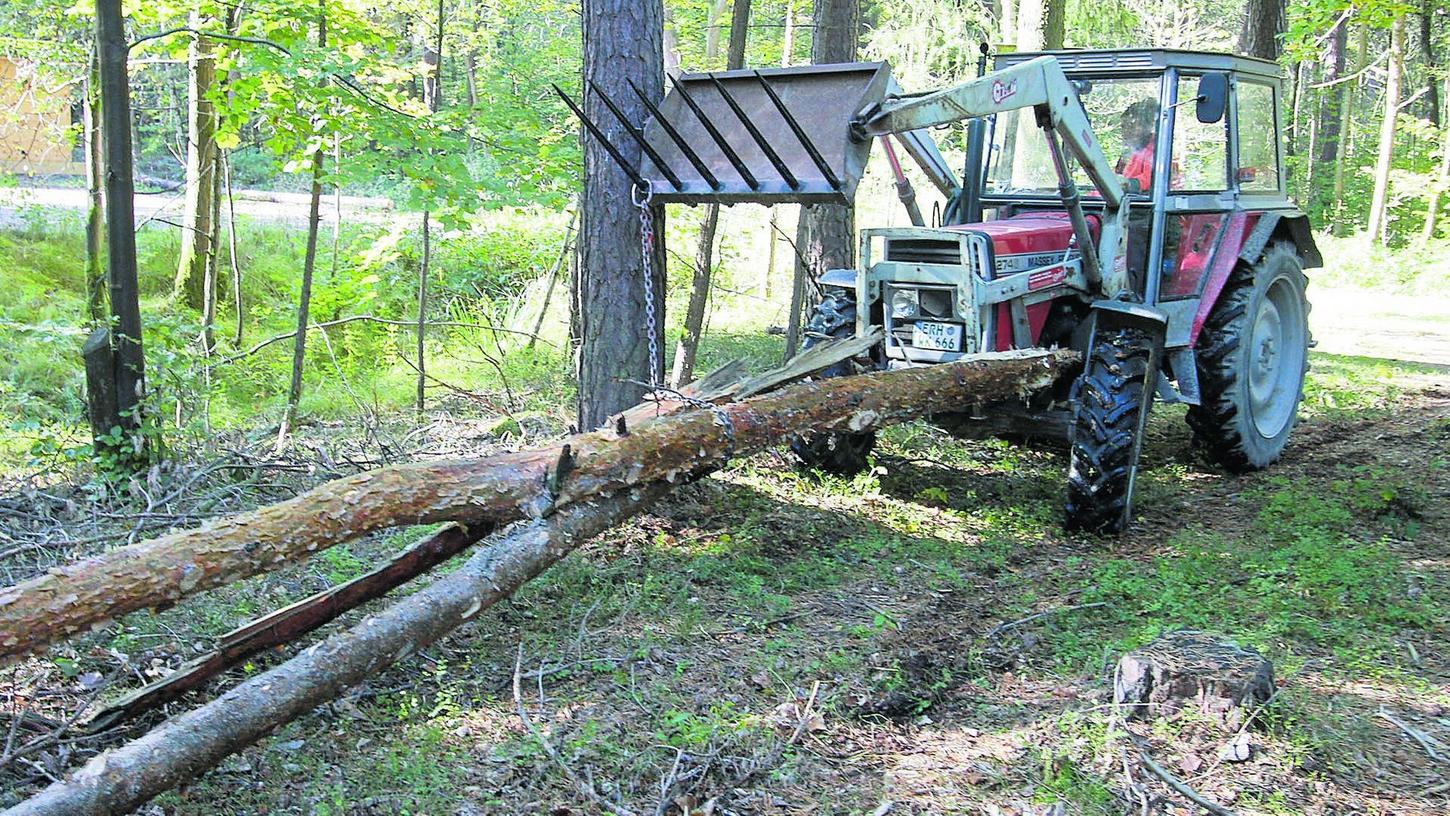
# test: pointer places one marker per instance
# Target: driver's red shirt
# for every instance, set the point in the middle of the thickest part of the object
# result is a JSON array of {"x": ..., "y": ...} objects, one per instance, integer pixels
[{"x": 1139, "y": 166}]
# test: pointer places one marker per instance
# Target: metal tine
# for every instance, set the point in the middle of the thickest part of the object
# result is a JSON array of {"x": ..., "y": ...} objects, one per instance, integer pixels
[
  {"x": 675, "y": 136},
  {"x": 604, "y": 142},
  {"x": 715, "y": 134},
  {"x": 638, "y": 137},
  {"x": 780, "y": 166},
  {"x": 799, "y": 132}
]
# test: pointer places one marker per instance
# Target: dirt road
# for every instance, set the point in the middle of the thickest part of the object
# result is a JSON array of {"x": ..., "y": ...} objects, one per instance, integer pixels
[{"x": 263, "y": 205}]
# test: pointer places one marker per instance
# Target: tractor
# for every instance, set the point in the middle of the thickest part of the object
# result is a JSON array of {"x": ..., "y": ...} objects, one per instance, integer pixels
[{"x": 1129, "y": 204}]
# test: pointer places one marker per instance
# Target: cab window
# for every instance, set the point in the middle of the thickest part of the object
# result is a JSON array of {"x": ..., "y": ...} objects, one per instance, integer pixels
[
  {"x": 1200, "y": 151},
  {"x": 1258, "y": 169}
]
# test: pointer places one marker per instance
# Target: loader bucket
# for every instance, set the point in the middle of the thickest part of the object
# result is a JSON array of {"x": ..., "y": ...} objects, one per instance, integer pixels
[{"x": 771, "y": 136}]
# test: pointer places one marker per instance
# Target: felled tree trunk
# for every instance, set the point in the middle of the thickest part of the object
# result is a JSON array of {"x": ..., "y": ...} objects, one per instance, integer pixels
[
  {"x": 119, "y": 781},
  {"x": 494, "y": 490}
]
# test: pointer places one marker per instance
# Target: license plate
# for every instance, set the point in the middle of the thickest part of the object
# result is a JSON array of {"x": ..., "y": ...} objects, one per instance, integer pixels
[{"x": 936, "y": 336}]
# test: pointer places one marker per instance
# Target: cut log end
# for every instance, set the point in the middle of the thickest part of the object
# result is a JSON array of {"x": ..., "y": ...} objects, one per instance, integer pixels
[{"x": 1193, "y": 670}]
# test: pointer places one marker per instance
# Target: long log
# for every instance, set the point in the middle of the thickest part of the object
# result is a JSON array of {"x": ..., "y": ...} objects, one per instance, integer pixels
[
  {"x": 123, "y": 779},
  {"x": 492, "y": 491}
]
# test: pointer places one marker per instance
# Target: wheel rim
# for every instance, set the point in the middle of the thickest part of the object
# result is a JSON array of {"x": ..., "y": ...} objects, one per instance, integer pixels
[{"x": 1275, "y": 359}]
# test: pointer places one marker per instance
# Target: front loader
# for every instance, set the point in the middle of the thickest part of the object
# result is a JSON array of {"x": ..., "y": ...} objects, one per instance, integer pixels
[{"x": 1177, "y": 270}]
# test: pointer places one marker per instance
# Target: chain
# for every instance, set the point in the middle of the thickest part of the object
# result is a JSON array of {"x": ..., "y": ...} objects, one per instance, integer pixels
[{"x": 642, "y": 199}]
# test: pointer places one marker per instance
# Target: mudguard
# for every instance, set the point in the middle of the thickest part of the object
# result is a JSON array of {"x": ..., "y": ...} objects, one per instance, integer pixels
[{"x": 1291, "y": 224}]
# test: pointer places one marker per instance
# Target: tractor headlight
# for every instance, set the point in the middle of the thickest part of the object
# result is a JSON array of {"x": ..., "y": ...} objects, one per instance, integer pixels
[{"x": 905, "y": 303}]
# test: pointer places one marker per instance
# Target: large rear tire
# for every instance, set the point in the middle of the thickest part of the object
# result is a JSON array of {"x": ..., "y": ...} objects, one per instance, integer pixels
[
  {"x": 838, "y": 452},
  {"x": 1111, "y": 408},
  {"x": 1252, "y": 355}
]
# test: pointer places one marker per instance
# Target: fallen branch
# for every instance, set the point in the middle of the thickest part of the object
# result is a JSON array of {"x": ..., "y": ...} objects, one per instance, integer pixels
[
  {"x": 1182, "y": 787},
  {"x": 1426, "y": 741},
  {"x": 407, "y": 324},
  {"x": 289, "y": 623},
  {"x": 67, "y": 600},
  {"x": 1002, "y": 627},
  {"x": 121, "y": 780}
]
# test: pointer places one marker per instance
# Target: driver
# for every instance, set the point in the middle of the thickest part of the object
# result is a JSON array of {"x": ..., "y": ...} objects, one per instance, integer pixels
[{"x": 1137, "y": 125}]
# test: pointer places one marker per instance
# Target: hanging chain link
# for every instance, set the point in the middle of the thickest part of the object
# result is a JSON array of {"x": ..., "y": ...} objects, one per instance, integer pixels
[{"x": 643, "y": 199}]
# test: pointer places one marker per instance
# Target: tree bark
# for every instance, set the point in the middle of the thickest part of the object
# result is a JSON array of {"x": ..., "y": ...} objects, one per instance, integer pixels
[
  {"x": 1432, "y": 66},
  {"x": 1346, "y": 133},
  {"x": 1263, "y": 27},
  {"x": 826, "y": 233},
  {"x": 309, "y": 263},
  {"x": 1379, "y": 201},
  {"x": 1330, "y": 113},
  {"x": 67, "y": 600},
  {"x": 689, "y": 346},
  {"x": 120, "y": 214},
  {"x": 1432, "y": 211},
  {"x": 1041, "y": 25},
  {"x": 201, "y": 162},
  {"x": 714, "y": 10},
  {"x": 95, "y": 203},
  {"x": 622, "y": 44},
  {"x": 433, "y": 96}
]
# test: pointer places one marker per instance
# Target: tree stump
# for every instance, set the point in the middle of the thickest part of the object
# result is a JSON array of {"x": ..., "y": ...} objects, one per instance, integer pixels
[{"x": 1184, "y": 669}]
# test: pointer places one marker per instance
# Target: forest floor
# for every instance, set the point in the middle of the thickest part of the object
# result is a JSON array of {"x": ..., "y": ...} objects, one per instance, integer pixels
[{"x": 922, "y": 639}]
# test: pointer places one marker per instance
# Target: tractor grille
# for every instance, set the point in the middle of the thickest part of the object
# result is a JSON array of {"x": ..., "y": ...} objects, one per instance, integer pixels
[
  {"x": 924, "y": 251},
  {"x": 935, "y": 302}
]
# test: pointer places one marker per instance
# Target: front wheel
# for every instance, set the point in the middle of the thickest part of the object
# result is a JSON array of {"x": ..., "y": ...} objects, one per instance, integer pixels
[
  {"x": 838, "y": 452},
  {"x": 1252, "y": 355},
  {"x": 1111, "y": 408}
]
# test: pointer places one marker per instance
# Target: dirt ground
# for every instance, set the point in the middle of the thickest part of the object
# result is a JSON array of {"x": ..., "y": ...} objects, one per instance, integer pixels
[{"x": 920, "y": 640}]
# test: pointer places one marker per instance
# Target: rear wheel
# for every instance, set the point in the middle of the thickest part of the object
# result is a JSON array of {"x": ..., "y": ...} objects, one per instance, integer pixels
[
  {"x": 1107, "y": 430},
  {"x": 1252, "y": 355},
  {"x": 838, "y": 452}
]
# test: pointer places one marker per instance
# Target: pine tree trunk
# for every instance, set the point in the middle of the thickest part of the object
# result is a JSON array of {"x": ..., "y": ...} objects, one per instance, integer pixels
[
  {"x": 826, "y": 233},
  {"x": 1346, "y": 133},
  {"x": 1041, "y": 25},
  {"x": 309, "y": 262},
  {"x": 1332, "y": 98},
  {"x": 433, "y": 96},
  {"x": 1379, "y": 201},
  {"x": 196, "y": 231},
  {"x": 1432, "y": 68},
  {"x": 622, "y": 43},
  {"x": 130, "y": 362},
  {"x": 1263, "y": 26},
  {"x": 689, "y": 345},
  {"x": 95, "y": 204},
  {"x": 1437, "y": 190}
]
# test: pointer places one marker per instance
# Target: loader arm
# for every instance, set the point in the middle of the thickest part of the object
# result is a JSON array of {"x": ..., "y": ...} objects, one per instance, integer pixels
[{"x": 1039, "y": 84}]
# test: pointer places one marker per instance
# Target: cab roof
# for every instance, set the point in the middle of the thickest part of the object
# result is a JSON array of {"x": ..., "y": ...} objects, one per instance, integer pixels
[{"x": 1137, "y": 60}]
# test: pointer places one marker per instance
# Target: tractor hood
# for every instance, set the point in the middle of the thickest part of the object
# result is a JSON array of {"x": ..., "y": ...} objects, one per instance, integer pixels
[{"x": 1028, "y": 241}]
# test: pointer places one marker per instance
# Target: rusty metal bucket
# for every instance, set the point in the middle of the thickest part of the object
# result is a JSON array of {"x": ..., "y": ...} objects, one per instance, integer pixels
[{"x": 772, "y": 136}]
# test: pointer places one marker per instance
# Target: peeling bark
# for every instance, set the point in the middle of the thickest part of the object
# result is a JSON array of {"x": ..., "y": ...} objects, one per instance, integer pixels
[{"x": 68, "y": 600}]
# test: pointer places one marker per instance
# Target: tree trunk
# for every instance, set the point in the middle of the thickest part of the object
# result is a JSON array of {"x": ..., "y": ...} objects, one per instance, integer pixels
[
  {"x": 309, "y": 262},
  {"x": 1333, "y": 106},
  {"x": 689, "y": 345},
  {"x": 1432, "y": 210},
  {"x": 485, "y": 492},
  {"x": 1041, "y": 25},
  {"x": 236, "y": 262},
  {"x": 95, "y": 204},
  {"x": 1379, "y": 201},
  {"x": 1263, "y": 27},
  {"x": 1432, "y": 71},
  {"x": 713, "y": 12},
  {"x": 433, "y": 95},
  {"x": 201, "y": 151},
  {"x": 120, "y": 214},
  {"x": 826, "y": 233},
  {"x": 1346, "y": 132},
  {"x": 183, "y": 747},
  {"x": 622, "y": 44}
]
